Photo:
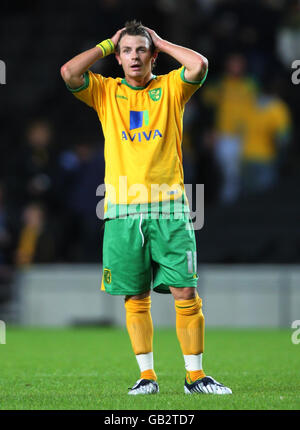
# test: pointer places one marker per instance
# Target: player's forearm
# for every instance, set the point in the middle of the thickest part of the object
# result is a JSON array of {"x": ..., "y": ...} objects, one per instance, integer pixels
[
  {"x": 195, "y": 63},
  {"x": 73, "y": 70}
]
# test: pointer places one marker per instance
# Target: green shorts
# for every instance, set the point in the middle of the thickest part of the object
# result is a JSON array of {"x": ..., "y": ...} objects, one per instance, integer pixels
[{"x": 140, "y": 253}]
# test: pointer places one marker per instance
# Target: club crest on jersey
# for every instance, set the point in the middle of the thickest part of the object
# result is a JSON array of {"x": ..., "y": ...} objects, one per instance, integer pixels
[
  {"x": 155, "y": 94},
  {"x": 107, "y": 276}
]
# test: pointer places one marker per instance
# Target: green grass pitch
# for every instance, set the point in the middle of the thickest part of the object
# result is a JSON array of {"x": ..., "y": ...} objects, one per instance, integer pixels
[{"x": 91, "y": 368}]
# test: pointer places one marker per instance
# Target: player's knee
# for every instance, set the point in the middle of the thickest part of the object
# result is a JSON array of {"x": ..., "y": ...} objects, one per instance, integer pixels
[
  {"x": 138, "y": 296},
  {"x": 186, "y": 293}
]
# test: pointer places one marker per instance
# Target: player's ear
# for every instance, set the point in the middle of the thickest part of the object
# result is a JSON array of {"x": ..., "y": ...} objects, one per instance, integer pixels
[
  {"x": 154, "y": 57},
  {"x": 118, "y": 59}
]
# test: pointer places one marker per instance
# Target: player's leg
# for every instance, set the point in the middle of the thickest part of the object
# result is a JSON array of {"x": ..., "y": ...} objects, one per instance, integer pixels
[
  {"x": 140, "y": 329},
  {"x": 190, "y": 333},
  {"x": 190, "y": 330},
  {"x": 174, "y": 251},
  {"x": 127, "y": 271}
]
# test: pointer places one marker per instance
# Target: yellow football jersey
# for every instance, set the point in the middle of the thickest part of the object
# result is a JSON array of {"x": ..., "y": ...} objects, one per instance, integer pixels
[
  {"x": 233, "y": 97},
  {"x": 142, "y": 127},
  {"x": 264, "y": 123}
]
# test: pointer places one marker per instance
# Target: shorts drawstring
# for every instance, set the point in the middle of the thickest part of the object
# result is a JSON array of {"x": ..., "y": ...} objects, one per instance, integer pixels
[{"x": 140, "y": 227}]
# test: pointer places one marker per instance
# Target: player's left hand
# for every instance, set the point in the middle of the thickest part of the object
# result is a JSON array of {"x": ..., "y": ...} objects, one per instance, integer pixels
[{"x": 156, "y": 39}]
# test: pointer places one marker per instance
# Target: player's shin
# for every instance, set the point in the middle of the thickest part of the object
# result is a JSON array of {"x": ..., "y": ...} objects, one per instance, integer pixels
[
  {"x": 190, "y": 333},
  {"x": 140, "y": 329}
]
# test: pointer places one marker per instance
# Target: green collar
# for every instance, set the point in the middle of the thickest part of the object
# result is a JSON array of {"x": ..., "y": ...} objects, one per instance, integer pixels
[{"x": 137, "y": 88}]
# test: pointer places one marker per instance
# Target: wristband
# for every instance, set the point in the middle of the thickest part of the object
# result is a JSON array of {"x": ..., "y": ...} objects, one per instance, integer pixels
[{"x": 107, "y": 46}]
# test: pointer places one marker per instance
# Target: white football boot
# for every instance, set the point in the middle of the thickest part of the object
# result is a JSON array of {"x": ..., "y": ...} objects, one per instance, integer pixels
[
  {"x": 144, "y": 386},
  {"x": 206, "y": 385}
]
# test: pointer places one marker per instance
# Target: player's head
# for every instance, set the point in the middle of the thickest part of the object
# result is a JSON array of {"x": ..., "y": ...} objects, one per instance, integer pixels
[
  {"x": 135, "y": 28},
  {"x": 135, "y": 50}
]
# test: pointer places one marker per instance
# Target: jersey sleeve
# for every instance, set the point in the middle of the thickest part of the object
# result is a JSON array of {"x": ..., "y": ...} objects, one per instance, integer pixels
[
  {"x": 92, "y": 90},
  {"x": 183, "y": 88}
]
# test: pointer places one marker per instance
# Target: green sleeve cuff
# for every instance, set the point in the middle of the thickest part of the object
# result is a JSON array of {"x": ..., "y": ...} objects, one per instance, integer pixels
[
  {"x": 192, "y": 82},
  {"x": 84, "y": 86}
]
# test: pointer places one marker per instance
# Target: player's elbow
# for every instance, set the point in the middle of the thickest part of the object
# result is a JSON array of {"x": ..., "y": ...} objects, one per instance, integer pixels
[
  {"x": 65, "y": 73},
  {"x": 203, "y": 65},
  {"x": 72, "y": 80},
  {"x": 201, "y": 68}
]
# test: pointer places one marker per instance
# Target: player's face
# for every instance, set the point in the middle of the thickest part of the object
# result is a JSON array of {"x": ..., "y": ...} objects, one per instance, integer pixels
[{"x": 135, "y": 56}]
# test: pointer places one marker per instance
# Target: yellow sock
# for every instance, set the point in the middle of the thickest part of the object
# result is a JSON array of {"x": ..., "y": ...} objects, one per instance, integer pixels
[
  {"x": 149, "y": 374},
  {"x": 190, "y": 325},
  {"x": 139, "y": 325},
  {"x": 193, "y": 375},
  {"x": 190, "y": 333}
]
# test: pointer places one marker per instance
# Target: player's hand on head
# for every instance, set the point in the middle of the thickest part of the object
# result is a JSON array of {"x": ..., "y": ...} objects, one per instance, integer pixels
[
  {"x": 156, "y": 39},
  {"x": 115, "y": 38}
]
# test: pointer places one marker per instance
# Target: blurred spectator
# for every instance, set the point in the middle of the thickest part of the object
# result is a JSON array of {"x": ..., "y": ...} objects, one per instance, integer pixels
[
  {"x": 190, "y": 120},
  {"x": 29, "y": 172},
  {"x": 265, "y": 141},
  {"x": 208, "y": 170},
  {"x": 232, "y": 97},
  {"x": 80, "y": 172},
  {"x": 36, "y": 241}
]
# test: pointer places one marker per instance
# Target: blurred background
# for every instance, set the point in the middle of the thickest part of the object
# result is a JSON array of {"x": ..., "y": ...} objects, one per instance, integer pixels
[{"x": 241, "y": 140}]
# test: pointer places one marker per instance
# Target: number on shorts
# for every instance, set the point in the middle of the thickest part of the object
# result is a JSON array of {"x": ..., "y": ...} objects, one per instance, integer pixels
[{"x": 191, "y": 261}]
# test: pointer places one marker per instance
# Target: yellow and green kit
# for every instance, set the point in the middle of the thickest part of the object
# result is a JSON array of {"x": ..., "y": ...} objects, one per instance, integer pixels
[{"x": 142, "y": 127}]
